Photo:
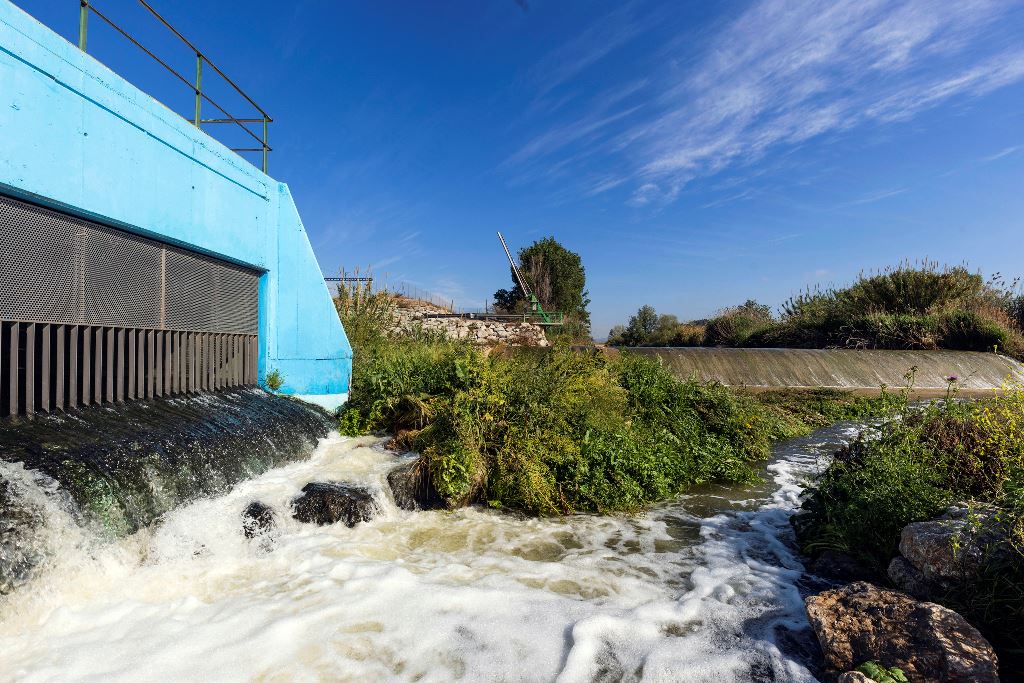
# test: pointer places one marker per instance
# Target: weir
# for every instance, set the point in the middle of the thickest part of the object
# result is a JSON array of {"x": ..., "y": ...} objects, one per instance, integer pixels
[
  {"x": 856, "y": 370},
  {"x": 139, "y": 257}
]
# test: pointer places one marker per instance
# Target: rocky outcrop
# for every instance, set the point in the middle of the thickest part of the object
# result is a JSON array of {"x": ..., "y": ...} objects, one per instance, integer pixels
[
  {"x": 330, "y": 502},
  {"x": 411, "y": 487},
  {"x": 257, "y": 519},
  {"x": 861, "y": 622},
  {"x": 412, "y": 316},
  {"x": 952, "y": 549}
]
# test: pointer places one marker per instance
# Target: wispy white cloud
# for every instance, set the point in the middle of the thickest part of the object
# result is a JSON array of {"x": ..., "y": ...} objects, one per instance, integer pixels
[
  {"x": 1005, "y": 152},
  {"x": 877, "y": 196},
  {"x": 780, "y": 74},
  {"x": 592, "y": 45}
]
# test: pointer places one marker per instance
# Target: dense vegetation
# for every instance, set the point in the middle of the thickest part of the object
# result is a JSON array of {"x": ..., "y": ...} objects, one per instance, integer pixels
[
  {"x": 557, "y": 431},
  {"x": 949, "y": 452},
  {"x": 558, "y": 279},
  {"x": 911, "y": 306}
]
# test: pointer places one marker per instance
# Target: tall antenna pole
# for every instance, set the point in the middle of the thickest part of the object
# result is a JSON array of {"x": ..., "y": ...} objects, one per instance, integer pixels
[{"x": 515, "y": 269}]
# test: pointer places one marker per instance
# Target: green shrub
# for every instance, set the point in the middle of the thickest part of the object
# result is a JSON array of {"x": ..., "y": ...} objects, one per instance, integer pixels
[
  {"x": 910, "y": 289},
  {"x": 274, "y": 380},
  {"x": 969, "y": 331},
  {"x": 555, "y": 431},
  {"x": 880, "y": 674}
]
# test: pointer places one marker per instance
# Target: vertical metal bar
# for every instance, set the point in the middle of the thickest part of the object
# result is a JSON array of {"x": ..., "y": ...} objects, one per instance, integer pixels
[
  {"x": 150, "y": 363},
  {"x": 97, "y": 357},
  {"x": 86, "y": 365},
  {"x": 215, "y": 357},
  {"x": 264, "y": 143},
  {"x": 30, "y": 369},
  {"x": 132, "y": 363},
  {"x": 73, "y": 365},
  {"x": 231, "y": 360},
  {"x": 140, "y": 365},
  {"x": 110, "y": 365},
  {"x": 120, "y": 366},
  {"x": 59, "y": 391},
  {"x": 208, "y": 358},
  {"x": 199, "y": 87},
  {"x": 15, "y": 333},
  {"x": 168, "y": 365},
  {"x": 83, "y": 23},
  {"x": 192, "y": 362},
  {"x": 179, "y": 359},
  {"x": 158, "y": 363},
  {"x": 44, "y": 371},
  {"x": 218, "y": 355}
]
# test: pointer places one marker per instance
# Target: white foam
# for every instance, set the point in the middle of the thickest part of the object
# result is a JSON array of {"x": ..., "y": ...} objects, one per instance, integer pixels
[{"x": 429, "y": 596}]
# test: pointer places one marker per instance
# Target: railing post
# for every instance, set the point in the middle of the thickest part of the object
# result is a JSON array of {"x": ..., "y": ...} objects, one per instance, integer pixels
[
  {"x": 199, "y": 87},
  {"x": 83, "y": 23},
  {"x": 264, "y": 144}
]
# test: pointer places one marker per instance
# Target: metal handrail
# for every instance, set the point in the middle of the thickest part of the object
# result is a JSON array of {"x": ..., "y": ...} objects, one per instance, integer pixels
[{"x": 86, "y": 7}]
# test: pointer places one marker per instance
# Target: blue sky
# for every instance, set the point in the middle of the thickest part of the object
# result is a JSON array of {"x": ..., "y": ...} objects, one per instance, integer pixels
[{"x": 694, "y": 153}]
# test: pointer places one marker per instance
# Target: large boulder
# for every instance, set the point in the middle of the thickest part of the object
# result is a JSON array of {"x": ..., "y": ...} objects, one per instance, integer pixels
[
  {"x": 954, "y": 546},
  {"x": 257, "y": 519},
  {"x": 861, "y": 622},
  {"x": 411, "y": 487},
  {"x": 330, "y": 502}
]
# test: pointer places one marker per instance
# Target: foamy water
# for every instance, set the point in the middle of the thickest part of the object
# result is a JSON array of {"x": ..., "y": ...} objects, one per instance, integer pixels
[{"x": 702, "y": 589}]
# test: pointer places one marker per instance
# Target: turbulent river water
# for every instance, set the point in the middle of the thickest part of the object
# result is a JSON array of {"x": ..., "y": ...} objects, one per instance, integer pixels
[{"x": 704, "y": 588}]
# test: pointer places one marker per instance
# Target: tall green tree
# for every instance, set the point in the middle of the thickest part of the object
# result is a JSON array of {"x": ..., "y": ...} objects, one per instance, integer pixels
[
  {"x": 556, "y": 275},
  {"x": 642, "y": 326}
]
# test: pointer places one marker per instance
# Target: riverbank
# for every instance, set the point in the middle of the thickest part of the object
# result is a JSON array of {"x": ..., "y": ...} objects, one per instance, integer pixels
[
  {"x": 560, "y": 431},
  {"x": 933, "y": 505}
]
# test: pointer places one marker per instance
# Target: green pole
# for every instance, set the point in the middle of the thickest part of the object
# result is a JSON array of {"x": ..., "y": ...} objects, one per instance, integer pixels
[
  {"x": 264, "y": 144},
  {"x": 199, "y": 86},
  {"x": 83, "y": 23}
]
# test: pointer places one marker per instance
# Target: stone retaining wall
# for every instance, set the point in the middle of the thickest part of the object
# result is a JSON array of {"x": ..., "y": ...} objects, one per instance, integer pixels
[{"x": 411, "y": 315}]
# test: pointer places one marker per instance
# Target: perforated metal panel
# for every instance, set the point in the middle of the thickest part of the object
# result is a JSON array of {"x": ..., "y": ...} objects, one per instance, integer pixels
[{"x": 58, "y": 268}]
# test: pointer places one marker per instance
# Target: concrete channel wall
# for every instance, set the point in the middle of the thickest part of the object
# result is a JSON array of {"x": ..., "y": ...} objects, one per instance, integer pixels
[
  {"x": 78, "y": 138},
  {"x": 858, "y": 370}
]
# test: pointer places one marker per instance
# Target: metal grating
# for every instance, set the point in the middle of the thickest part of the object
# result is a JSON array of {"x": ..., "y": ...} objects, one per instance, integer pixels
[{"x": 57, "y": 268}]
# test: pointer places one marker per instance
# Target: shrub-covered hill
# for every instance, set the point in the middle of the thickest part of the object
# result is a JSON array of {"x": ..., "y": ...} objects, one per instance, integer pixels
[{"x": 910, "y": 306}]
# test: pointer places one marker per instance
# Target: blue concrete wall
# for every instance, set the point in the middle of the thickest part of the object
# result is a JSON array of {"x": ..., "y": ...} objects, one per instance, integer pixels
[{"x": 77, "y": 137}]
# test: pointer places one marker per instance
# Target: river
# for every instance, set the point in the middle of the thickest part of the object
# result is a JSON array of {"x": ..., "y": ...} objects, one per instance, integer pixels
[{"x": 703, "y": 588}]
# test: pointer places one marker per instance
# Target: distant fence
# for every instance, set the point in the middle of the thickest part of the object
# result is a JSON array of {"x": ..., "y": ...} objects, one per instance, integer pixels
[{"x": 368, "y": 284}]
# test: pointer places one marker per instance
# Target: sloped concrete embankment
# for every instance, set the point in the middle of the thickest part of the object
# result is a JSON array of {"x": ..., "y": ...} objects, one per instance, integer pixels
[{"x": 858, "y": 370}]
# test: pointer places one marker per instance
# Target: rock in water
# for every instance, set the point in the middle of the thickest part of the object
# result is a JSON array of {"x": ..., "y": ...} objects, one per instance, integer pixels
[
  {"x": 329, "y": 502},
  {"x": 257, "y": 519},
  {"x": 861, "y": 622},
  {"x": 411, "y": 487}
]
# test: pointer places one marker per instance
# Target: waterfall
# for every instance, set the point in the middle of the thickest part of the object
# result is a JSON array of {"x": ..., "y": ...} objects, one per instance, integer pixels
[{"x": 113, "y": 470}]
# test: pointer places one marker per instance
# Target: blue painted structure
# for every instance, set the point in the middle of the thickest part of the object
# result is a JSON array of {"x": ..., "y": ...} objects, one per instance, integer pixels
[{"x": 77, "y": 137}]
